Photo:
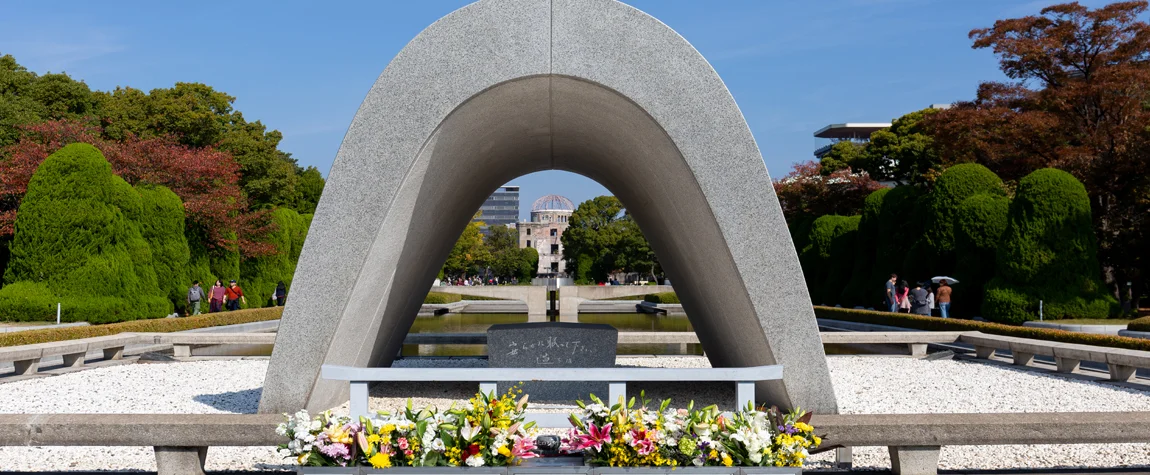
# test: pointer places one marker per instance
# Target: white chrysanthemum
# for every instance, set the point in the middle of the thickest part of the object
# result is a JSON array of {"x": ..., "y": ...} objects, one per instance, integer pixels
[
  {"x": 474, "y": 461},
  {"x": 437, "y": 445}
]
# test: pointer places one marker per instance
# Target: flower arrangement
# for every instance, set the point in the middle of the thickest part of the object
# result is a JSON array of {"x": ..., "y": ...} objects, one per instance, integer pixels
[
  {"x": 488, "y": 431},
  {"x": 624, "y": 435}
]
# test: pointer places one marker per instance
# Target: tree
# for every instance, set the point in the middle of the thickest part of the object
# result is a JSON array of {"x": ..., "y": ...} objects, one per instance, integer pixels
[
  {"x": 806, "y": 192},
  {"x": 27, "y": 98},
  {"x": 843, "y": 155},
  {"x": 310, "y": 188},
  {"x": 206, "y": 180},
  {"x": 1048, "y": 252},
  {"x": 73, "y": 239},
  {"x": 1077, "y": 103},
  {"x": 468, "y": 254},
  {"x": 603, "y": 238},
  {"x": 904, "y": 152},
  {"x": 199, "y": 116},
  {"x": 507, "y": 260}
]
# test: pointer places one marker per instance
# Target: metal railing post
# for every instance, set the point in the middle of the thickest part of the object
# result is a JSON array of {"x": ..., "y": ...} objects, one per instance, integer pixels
[{"x": 744, "y": 394}]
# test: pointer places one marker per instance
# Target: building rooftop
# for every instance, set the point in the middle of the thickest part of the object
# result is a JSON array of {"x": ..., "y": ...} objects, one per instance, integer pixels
[
  {"x": 553, "y": 203},
  {"x": 853, "y": 130}
]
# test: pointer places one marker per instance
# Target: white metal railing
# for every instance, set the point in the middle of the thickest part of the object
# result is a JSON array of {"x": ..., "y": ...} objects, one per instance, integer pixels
[{"x": 616, "y": 378}]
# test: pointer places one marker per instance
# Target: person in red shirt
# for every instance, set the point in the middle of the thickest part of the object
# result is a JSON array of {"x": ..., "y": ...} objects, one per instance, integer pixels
[{"x": 233, "y": 295}]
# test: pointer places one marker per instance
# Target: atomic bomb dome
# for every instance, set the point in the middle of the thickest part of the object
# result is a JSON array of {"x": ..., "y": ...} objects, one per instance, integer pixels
[{"x": 553, "y": 203}]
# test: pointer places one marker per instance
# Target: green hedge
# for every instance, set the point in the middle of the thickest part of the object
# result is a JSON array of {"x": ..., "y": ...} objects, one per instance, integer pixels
[
  {"x": 978, "y": 226},
  {"x": 861, "y": 289},
  {"x": 74, "y": 234},
  {"x": 662, "y": 297},
  {"x": 1139, "y": 325},
  {"x": 162, "y": 226},
  {"x": 1048, "y": 252},
  {"x": 953, "y": 187},
  {"x": 27, "y": 302},
  {"x": 158, "y": 325},
  {"x": 951, "y": 324},
  {"x": 259, "y": 276}
]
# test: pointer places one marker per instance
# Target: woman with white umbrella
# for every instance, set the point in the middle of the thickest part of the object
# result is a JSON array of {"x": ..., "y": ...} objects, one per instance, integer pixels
[{"x": 944, "y": 294}]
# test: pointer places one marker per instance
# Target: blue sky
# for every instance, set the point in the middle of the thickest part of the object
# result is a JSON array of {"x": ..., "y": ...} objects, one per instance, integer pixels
[{"x": 304, "y": 67}]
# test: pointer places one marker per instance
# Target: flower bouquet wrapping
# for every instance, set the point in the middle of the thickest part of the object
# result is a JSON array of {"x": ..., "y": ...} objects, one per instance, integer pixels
[
  {"x": 630, "y": 435},
  {"x": 489, "y": 431}
]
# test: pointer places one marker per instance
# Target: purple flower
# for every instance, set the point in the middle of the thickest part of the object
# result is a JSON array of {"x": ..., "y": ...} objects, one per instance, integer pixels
[
  {"x": 788, "y": 429},
  {"x": 335, "y": 451}
]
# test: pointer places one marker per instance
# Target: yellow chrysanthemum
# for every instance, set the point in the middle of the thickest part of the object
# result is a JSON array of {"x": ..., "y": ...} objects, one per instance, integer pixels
[
  {"x": 373, "y": 438},
  {"x": 504, "y": 451},
  {"x": 727, "y": 462},
  {"x": 379, "y": 460}
]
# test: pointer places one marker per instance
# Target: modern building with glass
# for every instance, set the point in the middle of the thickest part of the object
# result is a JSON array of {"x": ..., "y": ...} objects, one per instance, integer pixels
[{"x": 501, "y": 208}]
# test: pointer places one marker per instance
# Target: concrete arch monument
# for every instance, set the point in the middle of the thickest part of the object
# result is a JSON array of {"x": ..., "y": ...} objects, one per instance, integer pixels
[{"x": 501, "y": 88}]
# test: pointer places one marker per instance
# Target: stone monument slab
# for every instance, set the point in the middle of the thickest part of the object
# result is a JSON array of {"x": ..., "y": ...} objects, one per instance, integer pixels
[{"x": 553, "y": 345}]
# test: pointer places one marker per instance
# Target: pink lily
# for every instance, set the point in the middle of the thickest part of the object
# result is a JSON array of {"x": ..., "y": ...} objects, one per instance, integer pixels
[
  {"x": 595, "y": 437},
  {"x": 524, "y": 448}
]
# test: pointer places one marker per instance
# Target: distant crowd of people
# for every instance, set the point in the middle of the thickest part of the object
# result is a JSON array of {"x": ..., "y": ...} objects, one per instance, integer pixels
[
  {"x": 476, "y": 281},
  {"x": 228, "y": 297},
  {"x": 921, "y": 299}
]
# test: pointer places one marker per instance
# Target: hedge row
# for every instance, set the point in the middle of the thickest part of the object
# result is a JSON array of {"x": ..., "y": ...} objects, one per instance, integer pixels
[
  {"x": 951, "y": 324},
  {"x": 159, "y": 325},
  {"x": 1139, "y": 325},
  {"x": 662, "y": 297}
]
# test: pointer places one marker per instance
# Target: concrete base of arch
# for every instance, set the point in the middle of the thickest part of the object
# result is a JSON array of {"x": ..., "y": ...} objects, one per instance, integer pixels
[{"x": 502, "y": 88}]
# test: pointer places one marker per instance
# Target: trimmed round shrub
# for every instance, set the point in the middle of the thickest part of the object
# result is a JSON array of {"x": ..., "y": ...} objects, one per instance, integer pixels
[
  {"x": 72, "y": 237},
  {"x": 162, "y": 226},
  {"x": 27, "y": 302},
  {"x": 978, "y": 226},
  {"x": 1048, "y": 253},
  {"x": 953, "y": 187},
  {"x": 260, "y": 275},
  {"x": 1139, "y": 325}
]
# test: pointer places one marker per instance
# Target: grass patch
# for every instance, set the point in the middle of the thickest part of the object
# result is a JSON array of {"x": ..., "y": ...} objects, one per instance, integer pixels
[
  {"x": 952, "y": 324},
  {"x": 1091, "y": 321},
  {"x": 443, "y": 298},
  {"x": 158, "y": 325},
  {"x": 662, "y": 297},
  {"x": 629, "y": 297}
]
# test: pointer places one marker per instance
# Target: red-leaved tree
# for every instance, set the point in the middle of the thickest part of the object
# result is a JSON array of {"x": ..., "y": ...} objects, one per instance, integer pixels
[
  {"x": 206, "y": 179},
  {"x": 1079, "y": 103},
  {"x": 806, "y": 192}
]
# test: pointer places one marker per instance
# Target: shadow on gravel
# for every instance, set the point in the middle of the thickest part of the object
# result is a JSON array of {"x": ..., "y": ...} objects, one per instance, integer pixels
[{"x": 238, "y": 402}]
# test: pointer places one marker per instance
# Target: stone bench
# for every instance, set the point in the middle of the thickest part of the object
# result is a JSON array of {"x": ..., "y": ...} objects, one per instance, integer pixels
[
  {"x": 182, "y": 343},
  {"x": 26, "y": 358},
  {"x": 180, "y": 441},
  {"x": 1122, "y": 363},
  {"x": 914, "y": 440},
  {"x": 916, "y": 341}
]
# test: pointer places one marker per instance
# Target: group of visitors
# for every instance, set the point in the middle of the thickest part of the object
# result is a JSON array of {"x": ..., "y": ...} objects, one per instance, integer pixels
[
  {"x": 230, "y": 297},
  {"x": 477, "y": 281},
  {"x": 920, "y": 299}
]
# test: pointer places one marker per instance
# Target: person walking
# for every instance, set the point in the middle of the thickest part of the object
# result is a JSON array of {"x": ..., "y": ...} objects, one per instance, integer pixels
[
  {"x": 281, "y": 294},
  {"x": 944, "y": 298},
  {"x": 900, "y": 294},
  {"x": 195, "y": 295},
  {"x": 216, "y": 297},
  {"x": 233, "y": 295},
  {"x": 891, "y": 301},
  {"x": 919, "y": 300}
]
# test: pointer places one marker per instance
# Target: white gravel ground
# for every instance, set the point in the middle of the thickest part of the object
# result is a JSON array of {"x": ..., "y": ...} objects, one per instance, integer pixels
[{"x": 862, "y": 384}]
